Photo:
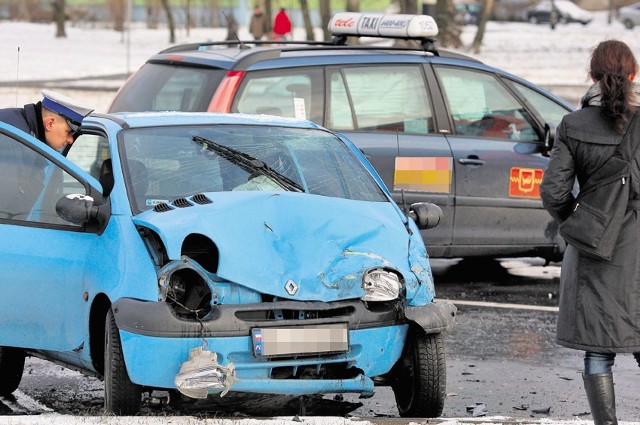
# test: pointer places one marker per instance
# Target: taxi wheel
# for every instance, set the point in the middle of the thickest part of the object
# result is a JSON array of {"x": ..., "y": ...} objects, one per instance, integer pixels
[
  {"x": 11, "y": 367},
  {"x": 121, "y": 396},
  {"x": 421, "y": 371}
]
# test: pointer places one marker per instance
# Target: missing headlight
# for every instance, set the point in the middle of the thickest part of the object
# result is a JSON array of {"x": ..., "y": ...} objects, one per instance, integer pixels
[{"x": 184, "y": 289}]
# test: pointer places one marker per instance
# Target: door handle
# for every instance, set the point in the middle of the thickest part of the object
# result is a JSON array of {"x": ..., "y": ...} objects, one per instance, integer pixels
[{"x": 471, "y": 160}]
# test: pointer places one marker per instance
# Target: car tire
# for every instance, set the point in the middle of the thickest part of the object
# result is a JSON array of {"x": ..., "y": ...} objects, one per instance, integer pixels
[
  {"x": 421, "y": 376},
  {"x": 121, "y": 396},
  {"x": 533, "y": 20},
  {"x": 628, "y": 24},
  {"x": 11, "y": 368}
]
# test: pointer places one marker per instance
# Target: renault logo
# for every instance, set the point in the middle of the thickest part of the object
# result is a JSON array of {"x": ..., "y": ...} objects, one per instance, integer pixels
[{"x": 291, "y": 287}]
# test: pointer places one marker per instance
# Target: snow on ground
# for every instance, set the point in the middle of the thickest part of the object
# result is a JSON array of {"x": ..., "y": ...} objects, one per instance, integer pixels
[{"x": 30, "y": 52}]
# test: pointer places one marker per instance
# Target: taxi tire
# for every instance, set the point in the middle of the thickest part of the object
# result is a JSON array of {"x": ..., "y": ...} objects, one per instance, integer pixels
[
  {"x": 421, "y": 388},
  {"x": 121, "y": 396},
  {"x": 11, "y": 368}
]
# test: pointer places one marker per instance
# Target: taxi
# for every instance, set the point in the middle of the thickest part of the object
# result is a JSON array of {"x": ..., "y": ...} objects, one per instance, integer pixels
[{"x": 438, "y": 126}]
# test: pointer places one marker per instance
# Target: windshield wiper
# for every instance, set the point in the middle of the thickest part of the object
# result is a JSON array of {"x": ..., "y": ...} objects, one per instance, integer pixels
[{"x": 249, "y": 163}]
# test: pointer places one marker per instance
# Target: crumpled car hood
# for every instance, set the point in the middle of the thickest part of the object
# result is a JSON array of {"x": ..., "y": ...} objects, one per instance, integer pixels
[{"x": 322, "y": 244}]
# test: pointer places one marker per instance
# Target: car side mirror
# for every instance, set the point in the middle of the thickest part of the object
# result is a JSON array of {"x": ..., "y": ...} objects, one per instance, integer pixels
[
  {"x": 425, "y": 214},
  {"x": 76, "y": 208},
  {"x": 549, "y": 138}
]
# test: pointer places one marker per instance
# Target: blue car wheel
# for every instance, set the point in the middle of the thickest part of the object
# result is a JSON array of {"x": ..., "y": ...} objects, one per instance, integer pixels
[
  {"x": 11, "y": 367},
  {"x": 121, "y": 396},
  {"x": 420, "y": 387}
]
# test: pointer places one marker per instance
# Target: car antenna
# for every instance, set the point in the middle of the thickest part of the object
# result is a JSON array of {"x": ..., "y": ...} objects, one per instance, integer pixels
[
  {"x": 232, "y": 28},
  {"x": 404, "y": 203},
  {"x": 17, "y": 75}
]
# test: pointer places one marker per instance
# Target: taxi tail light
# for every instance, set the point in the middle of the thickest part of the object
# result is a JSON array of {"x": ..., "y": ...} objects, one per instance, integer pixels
[{"x": 226, "y": 91}]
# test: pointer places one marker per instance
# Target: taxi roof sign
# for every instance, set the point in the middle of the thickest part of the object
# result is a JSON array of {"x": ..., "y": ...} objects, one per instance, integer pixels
[{"x": 383, "y": 25}]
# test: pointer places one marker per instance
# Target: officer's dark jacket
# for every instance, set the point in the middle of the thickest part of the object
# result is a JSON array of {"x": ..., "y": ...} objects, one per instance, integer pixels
[{"x": 21, "y": 170}]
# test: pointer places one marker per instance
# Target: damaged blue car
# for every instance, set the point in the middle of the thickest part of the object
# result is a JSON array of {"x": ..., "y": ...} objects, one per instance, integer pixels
[{"x": 209, "y": 254}]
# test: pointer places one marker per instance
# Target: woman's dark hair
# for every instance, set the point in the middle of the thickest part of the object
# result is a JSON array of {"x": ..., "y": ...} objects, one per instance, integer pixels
[{"x": 612, "y": 62}]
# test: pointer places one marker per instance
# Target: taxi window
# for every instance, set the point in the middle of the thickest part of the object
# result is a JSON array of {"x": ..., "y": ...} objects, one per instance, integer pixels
[
  {"x": 288, "y": 93},
  {"x": 549, "y": 110},
  {"x": 162, "y": 87},
  {"x": 380, "y": 98},
  {"x": 481, "y": 106}
]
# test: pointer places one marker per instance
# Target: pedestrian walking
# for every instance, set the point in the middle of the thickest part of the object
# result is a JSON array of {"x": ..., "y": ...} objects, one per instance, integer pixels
[
  {"x": 258, "y": 25},
  {"x": 599, "y": 299},
  {"x": 281, "y": 25}
]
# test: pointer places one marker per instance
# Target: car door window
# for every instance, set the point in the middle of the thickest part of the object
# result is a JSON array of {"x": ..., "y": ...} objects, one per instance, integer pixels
[
  {"x": 382, "y": 99},
  {"x": 551, "y": 111},
  {"x": 481, "y": 106},
  {"x": 32, "y": 185},
  {"x": 284, "y": 93}
]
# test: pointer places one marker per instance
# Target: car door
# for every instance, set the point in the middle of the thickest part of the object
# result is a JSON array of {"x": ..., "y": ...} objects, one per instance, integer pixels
[
  {"x": 42, "y": 257},
  {"x": 498, "y": 164},
  {"x": 386, "y": 110}
]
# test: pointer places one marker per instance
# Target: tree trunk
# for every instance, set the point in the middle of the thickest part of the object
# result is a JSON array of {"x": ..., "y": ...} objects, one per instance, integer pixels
[
  {"x": 325, "y": 17},
  {"x": 117, "y": 14},
  {"x": 151, "y": 7},
  {"x": 353, "y": 5},
  {"x": 408, "y": 7},
  {"x": 215, "y": 10},
  {"x": 449, "y": 32},
  {"x": 59, "y": 16},
  {"x": 172, "y": 25},
  {"x": 268, "y": 10},
  {"x": 308, "y": 26},
  {"x": 188, "y": 18},
  {"x": 487, "y": 8}
]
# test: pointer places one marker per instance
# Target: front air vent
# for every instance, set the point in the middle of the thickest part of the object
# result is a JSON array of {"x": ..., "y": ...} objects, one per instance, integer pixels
[
  {"x": 201, "y": 199},
  {"x": 163, "y": 207},
  {"x": 182, "y": 203}
]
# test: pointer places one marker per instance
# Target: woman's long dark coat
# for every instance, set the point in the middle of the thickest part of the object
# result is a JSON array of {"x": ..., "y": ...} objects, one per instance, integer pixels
[{"x": 599, "y": 299}]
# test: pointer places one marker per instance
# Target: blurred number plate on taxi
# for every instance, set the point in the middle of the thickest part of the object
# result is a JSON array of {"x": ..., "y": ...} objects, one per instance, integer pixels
[{"x": 312, "y": 339}]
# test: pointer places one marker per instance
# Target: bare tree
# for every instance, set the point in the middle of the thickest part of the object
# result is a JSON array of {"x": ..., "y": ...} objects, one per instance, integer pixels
[
  {"x": 325, "y": 17},
  {"x": 353, "y": 6},
  {"x": 268, "y": 9},
  {"x": 487, "y": 8},
  {"x": 449, "y": 31},
  {"x": 304, "y": 8},
  {"x": 187, "y": 13},
  {"x": 59, "y": 16},
  {"x": 152, "y": 8},
  {"x": 117, "y": 9},
  {"x": 172, "y": 25},
  {"x": 408, "y": 6}
]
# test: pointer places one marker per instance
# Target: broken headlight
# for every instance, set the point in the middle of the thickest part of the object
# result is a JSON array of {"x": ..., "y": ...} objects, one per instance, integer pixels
[
  {"x": 381, "y": 285},
  {"x": 183, "y": 286}
]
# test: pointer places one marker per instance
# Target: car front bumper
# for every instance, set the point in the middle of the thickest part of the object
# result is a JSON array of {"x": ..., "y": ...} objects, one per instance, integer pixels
[{"x": 156, "y": 344}]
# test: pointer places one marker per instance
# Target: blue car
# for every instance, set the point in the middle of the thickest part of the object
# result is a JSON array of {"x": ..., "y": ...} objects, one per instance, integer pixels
[{"x": 213, "y": 253}]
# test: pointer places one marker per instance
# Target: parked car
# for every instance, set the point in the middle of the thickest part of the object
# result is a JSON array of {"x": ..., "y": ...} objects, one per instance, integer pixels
[
  {"x": 438, "y": 126},
  {"x": 218, "y": 252},
  {"x": 566, "y": 11},
  {"x": 629, "y": 15},
  {"x": 467, "y": 13}
]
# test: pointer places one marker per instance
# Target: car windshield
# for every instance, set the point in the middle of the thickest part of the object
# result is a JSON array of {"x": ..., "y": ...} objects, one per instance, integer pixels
[{"x": 166, "y": 163}]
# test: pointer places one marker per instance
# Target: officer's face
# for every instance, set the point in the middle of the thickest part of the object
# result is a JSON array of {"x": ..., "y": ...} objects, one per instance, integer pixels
[{"x": 58, "y": 132}]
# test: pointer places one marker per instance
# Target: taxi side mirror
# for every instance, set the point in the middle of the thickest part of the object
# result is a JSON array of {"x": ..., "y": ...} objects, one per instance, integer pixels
[
  {"x": 549, "y": 138},
  {"x": 425, "y": 214}
]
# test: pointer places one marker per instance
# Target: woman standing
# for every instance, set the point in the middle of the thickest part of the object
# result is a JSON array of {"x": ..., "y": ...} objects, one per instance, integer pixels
[{"x": 599, "y": 299}]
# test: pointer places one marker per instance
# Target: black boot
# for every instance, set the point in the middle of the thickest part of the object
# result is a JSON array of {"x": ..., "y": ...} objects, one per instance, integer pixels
[{"x": 601, "y": 396}]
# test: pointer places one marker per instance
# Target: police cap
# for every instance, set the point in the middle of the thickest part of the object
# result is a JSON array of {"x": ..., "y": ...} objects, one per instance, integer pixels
[{"x": 64, "y": 106}]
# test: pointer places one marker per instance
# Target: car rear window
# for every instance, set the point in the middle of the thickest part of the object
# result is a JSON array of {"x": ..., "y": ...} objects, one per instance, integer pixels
[{"x": 164, "y": 87}]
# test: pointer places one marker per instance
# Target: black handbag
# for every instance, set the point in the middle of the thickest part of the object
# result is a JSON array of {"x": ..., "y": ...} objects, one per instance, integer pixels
[{"x": 598, "y": 212}]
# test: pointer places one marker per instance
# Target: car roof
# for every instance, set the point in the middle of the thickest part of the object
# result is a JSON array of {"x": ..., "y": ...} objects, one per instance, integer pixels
[
  {"x": 129, "y": 120},
  {"x": 244, "y": 54}
]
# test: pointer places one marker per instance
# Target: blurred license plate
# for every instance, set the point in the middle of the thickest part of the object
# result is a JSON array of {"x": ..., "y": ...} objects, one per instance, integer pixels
[{"x": 312, "y": 339}]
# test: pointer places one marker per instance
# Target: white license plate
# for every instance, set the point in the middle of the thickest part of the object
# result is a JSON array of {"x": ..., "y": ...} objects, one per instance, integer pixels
[{"x": 311, "y": 339}]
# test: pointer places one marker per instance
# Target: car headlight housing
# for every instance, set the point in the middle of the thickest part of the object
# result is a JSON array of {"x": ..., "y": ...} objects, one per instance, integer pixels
[{"x": 381, "y": 285}]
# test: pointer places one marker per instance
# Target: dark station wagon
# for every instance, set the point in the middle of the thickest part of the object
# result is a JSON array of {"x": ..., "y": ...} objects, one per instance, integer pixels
[{"x": 438, "y": 126}]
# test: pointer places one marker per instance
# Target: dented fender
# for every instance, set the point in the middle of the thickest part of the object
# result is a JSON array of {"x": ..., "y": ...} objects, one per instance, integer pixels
[{"x": 434, "y": 318}]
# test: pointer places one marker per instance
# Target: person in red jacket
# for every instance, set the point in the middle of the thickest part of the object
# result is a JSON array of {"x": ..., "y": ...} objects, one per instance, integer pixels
[{"x": 281, "y": 25}]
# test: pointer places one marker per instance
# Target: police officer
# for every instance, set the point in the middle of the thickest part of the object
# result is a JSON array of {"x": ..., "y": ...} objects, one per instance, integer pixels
[{"x": 55, "y": 121}]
